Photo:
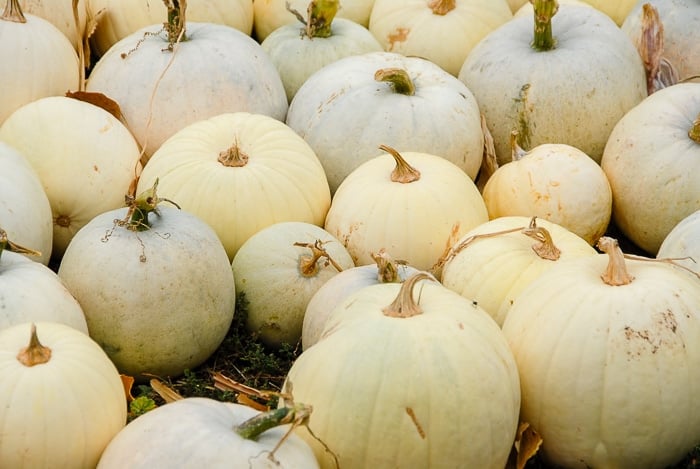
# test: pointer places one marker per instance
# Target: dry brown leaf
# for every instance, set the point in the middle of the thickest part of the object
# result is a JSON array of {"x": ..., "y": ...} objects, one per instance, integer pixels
[
  {"x": 527, "y": 443},
  {"x": 247, "y": 401},
  {"x": 98, "y": 99},
  {"x": 167, "y": 393},
  {"x": 128, "y": 383}
]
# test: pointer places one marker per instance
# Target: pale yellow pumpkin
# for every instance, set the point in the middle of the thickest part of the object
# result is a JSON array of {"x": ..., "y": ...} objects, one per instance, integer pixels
[
  {"x": 60, "y": 14},
  {"x": 608, "y": 351},
  {"x": 442, "y": 31},
  {"x": 398, "y": 202},
  {"x": 557, "y": 182},
  {"x": 240, "y": 173},
  {"x": 616, "y": 10}
]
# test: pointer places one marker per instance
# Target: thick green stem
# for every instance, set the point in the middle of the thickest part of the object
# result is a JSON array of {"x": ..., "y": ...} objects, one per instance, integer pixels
[
  {"x": 13, "y": 12},
  {"x": 139, "y": 208},
  {"x": 403, "y": 172},
  {"x": 544, "y": 10},
  {"x": 320, "y": 18},
  {"x": 255, "y": 426},
  {"x": 694, "y": 132},
  {"x": 398, "y": 79},
  {"x": 175, "y": 27}
]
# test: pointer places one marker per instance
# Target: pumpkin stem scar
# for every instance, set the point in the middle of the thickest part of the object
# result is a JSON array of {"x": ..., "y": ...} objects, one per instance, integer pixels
[
  {"x": 13, "y": 12},
  {"x": 415, "y": 421}
]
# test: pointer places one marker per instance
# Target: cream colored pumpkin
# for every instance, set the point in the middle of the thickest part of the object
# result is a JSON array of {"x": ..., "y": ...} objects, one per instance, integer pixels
[
  {"x": 298, "y": 51},
  {"x": 240, "y": 173},
  {"x": 201, "y": 432},
  {"x": 617, "y": 10},
  {"x": 277, "y": 271},
  {"x": 492, "y": 263},
  {"x": 38, "y": 60},
  {"x": 272, "y": 14},
  {"x": 608, "y": 351},
  {"x": 116, "y": 19},
  {"x": 442, "y": 31},
  {"x": 398, "y": 202},
  {"x": 61, "y": 398},
  {"x": 157, "y": 293},
  {"x": 683, "y": 243},
  {"x": 84, "y": 156},
  {"x": 217, "y": 69},
  {"x": 379, "y": 378},
  {"x": 25, "y": 211},
  {"x": 652, "y": 161},
  {"x": 60, "y": 14},
  {"x": 570, "y": 87},
  {"x": 384, "y": 270},
  {"x": 681, "y": 43},
  {"x": 557, "y": 182},
  {"x": 350, "y": 107}
]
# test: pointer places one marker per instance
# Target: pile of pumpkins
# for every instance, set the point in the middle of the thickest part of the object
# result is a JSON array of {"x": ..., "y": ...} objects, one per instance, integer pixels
[{"x": 425, "y": 196}]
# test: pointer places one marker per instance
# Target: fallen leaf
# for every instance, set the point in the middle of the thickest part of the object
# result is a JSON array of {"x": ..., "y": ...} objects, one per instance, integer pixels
[
  {"x": 167, "y": 393},
  {"x": 128, "y": 383}
]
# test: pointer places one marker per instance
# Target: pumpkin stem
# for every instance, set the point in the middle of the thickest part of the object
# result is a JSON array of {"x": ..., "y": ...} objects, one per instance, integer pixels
[
  {"x": 308, "y": 265},
  {"x": 296, "y": 414},
  {"x": 545, "y": 247},
  {"x": 175, "y": 26},
  {"x": 694, "y": 132},
  {"x": 387, "y": 267},
  {"x": 442, "y": 7},
  {"x": 517, "y": 152},
  {"x": 544, "y": 10},
  {"x": 141, "y": 206},
  {"x": 7, "y": 245},
  {"x": 616, "y": 272},
  {"x": 319, "y": 17},
  {"x": 404, "y": 306},
  {"x": 398, "y": 78},
  {"x": 651, "y": 44},
  {"x": 13, "y": 12},
  {"x": 34, "y": 353},
  {"x": 233, "y": 156},
  {"x": 403, "y": 172}
]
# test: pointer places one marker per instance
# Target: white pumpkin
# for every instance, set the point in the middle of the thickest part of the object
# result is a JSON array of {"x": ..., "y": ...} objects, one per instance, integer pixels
[
  {"x": 25, "y": 211},
  {"x": 85, "y": 158},
  {"x": 31, "y": 292},
  {"x": 379, "y": 377},
  {"x": 61, "y": 15},
  {"x": 216, "y": 69},
  {"x": 652, "y": 161},
  {"x": 385, "y": 269},
  {"x": 683, "y": 243},
  {"x": 198, "y": 432},
  {"x": 116, "y": 19},
  {"x": 608, "y": 351},
  {"x": 557, "y": 182},
  {"x": 240, "y": 172},
  {"x": 157, "y": 292},
  {"x": 442, "y": 31},
  {"x": 61, "y": 398},
  {"x": 277, "y": 271},
  {"x": 350, "y": 107},
  {"x": 299, "y": 51},
  {"x": 400, "y": 202},
  {"x": 569, "y": 84},
  {"x": 492, "y": 263},
  {"x": 270, "y": 15},
  {"x": 38, "y": 60}
]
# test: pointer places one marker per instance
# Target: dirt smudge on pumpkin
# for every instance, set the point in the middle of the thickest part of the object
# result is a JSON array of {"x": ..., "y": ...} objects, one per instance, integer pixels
[
  {"x": 397, "y": 36},
  {"x": 661, "y": 333},
  {"x": 415, "y": 421}
]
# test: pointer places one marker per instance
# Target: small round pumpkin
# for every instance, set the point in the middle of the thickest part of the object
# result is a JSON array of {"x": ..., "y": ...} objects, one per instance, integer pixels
[
  {"x": 202, "y": 432},
  {"x": 277, "y": 272},
  {"x": 398, "y": 202},
  {"x": 392, "y": 351},
  {"x": 61, "y": 398},
  {"x": 557, "y": 182},
  {"x": 607, "y": 349},
  {"x": 157, "y": 291},
  {"x": 240, "y": 172}
]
